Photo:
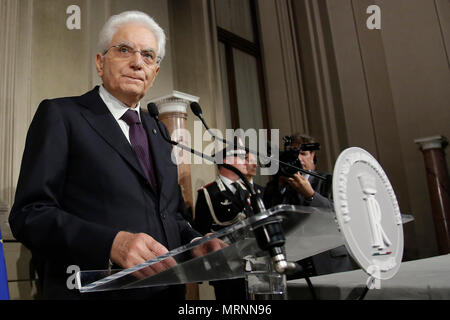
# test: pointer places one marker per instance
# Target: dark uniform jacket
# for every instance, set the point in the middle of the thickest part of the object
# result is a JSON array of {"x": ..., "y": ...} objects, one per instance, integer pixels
[{"x": 217, "y": 207}]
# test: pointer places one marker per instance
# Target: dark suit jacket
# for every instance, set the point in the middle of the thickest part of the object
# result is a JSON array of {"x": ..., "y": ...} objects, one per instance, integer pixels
[
  {"x": 81, "y": 183},
  {"x": 322, "y": 197}
]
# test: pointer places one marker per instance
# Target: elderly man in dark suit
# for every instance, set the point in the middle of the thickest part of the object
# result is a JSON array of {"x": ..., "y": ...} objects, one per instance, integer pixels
[{"x": 97, "y": 185}]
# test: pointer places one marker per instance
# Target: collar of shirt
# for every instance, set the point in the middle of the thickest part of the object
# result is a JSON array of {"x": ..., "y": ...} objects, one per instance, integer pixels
[
  {"x": 117, "y": 109},
  {"x": 115, "y": 106},
  {"x": 228, "y": 183}
]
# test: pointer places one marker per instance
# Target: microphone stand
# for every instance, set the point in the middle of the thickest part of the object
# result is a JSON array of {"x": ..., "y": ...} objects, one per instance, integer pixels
[
  {"x": 270, "y": 236},
  {"x": 195, "y": 107}
]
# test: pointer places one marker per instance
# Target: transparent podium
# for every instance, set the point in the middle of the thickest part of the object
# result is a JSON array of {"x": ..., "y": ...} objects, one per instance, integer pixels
[{"x": 231, "y": 253}]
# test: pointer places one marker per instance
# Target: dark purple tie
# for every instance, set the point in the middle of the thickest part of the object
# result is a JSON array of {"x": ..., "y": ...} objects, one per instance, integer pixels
[{"x": 139, "y": 142}]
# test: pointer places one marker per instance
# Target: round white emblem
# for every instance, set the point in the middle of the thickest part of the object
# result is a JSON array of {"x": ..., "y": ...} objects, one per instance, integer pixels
[{"x": 367, "y": 213}]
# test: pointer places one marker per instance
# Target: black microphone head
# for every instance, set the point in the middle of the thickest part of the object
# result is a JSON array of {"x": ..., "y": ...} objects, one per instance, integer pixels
[
  {"x": 153, "y": 110},
  {"x": 196, "y": 109}
]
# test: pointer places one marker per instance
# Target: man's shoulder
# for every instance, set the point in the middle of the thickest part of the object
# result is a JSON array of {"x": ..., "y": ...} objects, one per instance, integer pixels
[
  {"x": 72, "y": 100},
  {"x": 68, "y": 107},
  {"x": 210, "y": 186},
  {"x": 57, "y": 102}
]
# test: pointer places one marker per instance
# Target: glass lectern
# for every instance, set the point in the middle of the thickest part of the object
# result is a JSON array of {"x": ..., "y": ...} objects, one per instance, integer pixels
[{"x": 231, "y": 253}]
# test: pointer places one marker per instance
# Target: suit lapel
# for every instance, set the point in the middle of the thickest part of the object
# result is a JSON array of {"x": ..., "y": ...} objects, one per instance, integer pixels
[{"x": 102, "y": 121}]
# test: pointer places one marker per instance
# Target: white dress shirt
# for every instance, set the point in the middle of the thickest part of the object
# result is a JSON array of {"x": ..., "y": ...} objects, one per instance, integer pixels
[
  {"x": 118, "y": 109},
  {"x": 228, "y": 183}
]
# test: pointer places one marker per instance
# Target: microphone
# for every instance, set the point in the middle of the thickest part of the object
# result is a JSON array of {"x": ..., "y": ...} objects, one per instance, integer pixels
[
  {"x": 153, "y": 110},
  {"x": 197, "y": 111},
  {"x": 154, "y": 113},
  {"x": 270, "y": 236}
]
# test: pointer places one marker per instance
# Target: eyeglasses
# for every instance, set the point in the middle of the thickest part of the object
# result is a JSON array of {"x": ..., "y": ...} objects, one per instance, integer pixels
[{"x": 124, "y": 51}]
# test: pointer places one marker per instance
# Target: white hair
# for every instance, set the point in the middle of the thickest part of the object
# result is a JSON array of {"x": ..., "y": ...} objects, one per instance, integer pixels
[{"x": 131, "y": 17}]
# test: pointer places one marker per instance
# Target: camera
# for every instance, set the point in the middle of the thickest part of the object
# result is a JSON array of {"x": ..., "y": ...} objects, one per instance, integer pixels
[{"x": 289, "y": 161}]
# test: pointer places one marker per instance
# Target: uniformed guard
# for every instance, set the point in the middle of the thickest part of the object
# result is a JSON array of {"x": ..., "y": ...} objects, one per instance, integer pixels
[
  {"x": 220, "y": 204},
  {"x": 224, "y": 201}
]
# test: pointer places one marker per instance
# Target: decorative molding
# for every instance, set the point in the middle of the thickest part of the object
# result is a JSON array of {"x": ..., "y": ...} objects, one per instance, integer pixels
[
  {"x": 174, "y": 102},
  {"x": 438, "y": 185},
  {"x": 434, "y": 142},
  {"x": 173, "y": 113}
]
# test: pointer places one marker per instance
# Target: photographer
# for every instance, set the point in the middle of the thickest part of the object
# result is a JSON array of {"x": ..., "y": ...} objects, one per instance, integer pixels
[{"x": 289, "y": 186}]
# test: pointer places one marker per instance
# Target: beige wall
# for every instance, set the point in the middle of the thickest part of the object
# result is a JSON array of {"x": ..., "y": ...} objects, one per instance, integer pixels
[
  {"x": 196, "y": 72},
  {"x": 417, "y": 41},
  {"x": 65, "y": 64},
  {"x": 382, "y": 89},
  {"x": 362, "y": 92},
  {"x": 283, "y": 72}
]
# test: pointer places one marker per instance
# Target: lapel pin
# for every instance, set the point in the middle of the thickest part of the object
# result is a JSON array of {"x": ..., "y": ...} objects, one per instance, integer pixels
[{"x": 154, "y": 131}]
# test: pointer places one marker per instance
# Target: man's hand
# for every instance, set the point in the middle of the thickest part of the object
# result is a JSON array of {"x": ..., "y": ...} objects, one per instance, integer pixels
[
  {"x": 301, "y": 185},
  {"x": 130, "y": 249},
  {"x": 207, "y": 247}
]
